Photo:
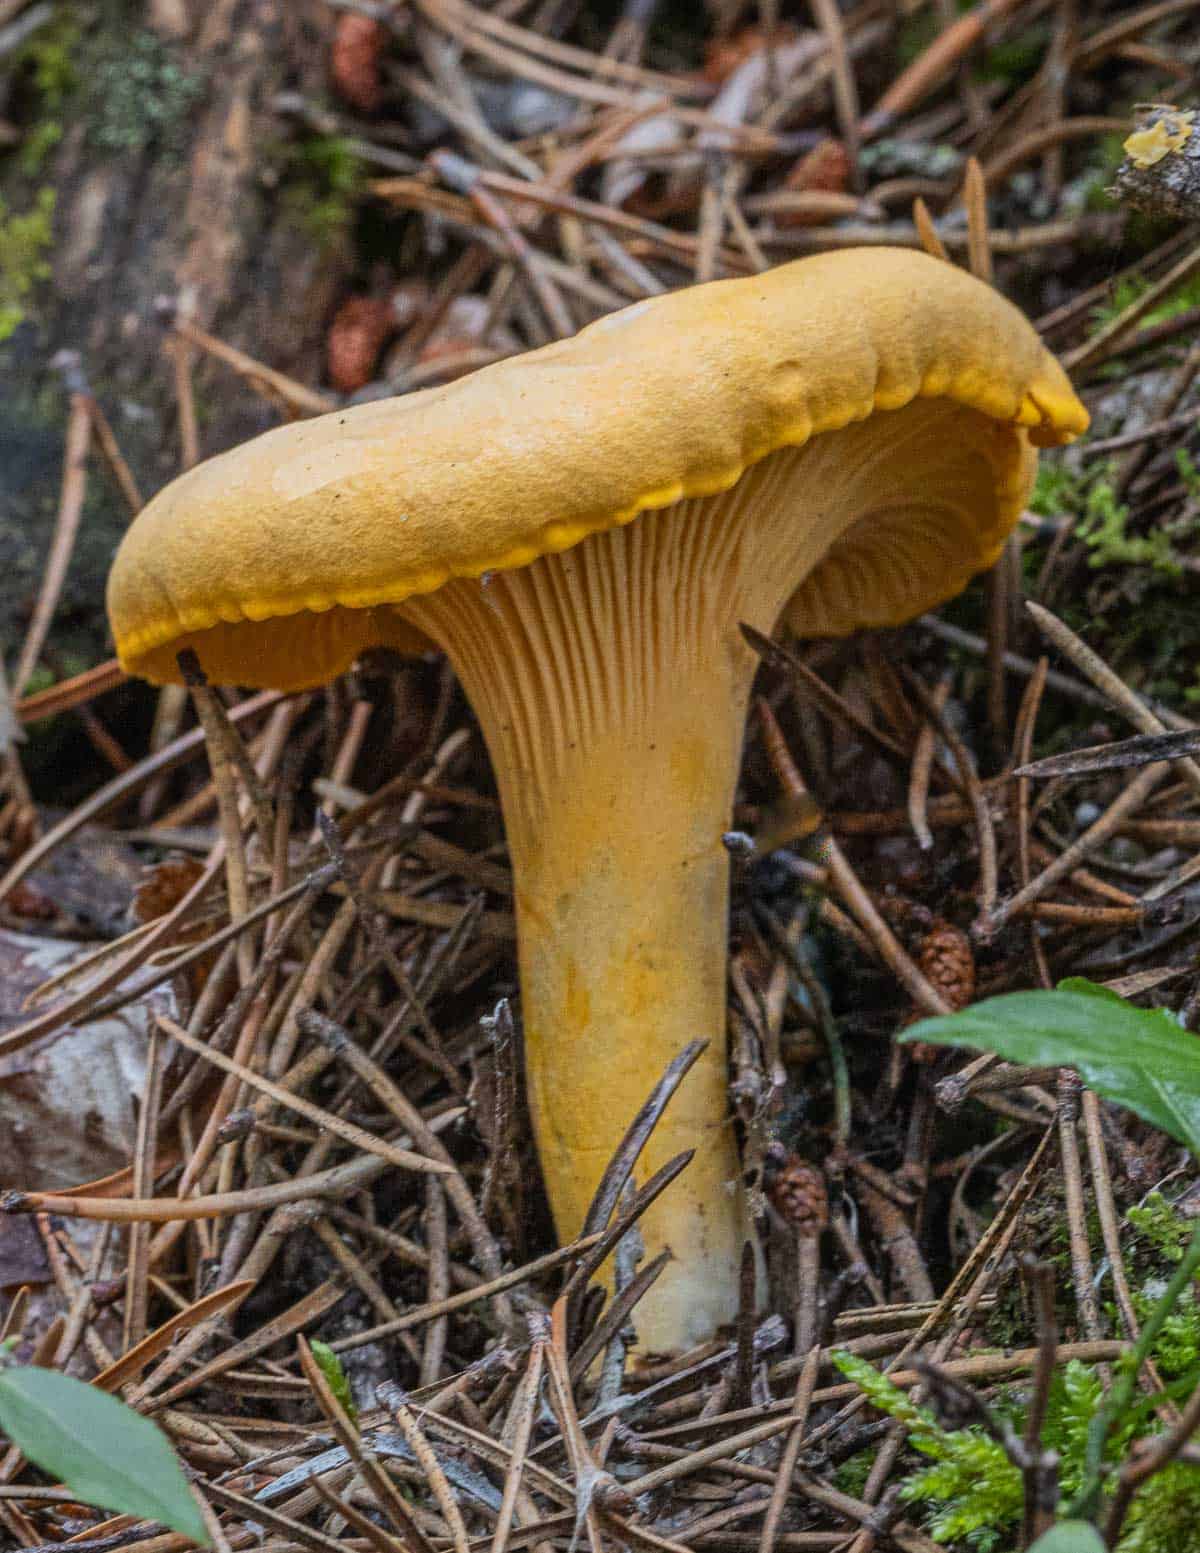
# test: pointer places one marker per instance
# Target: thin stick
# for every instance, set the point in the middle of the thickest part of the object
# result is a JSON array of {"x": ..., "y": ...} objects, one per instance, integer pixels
[
  {"x": 137, "y": 1285},
  {"x": 429, "y": 1464},
  {"x": 526, "y": 1412},
  {"x": 113, "y": 457},
  {"x": 295, "y": 395},
  {"x": 927, "y": 232},
  {"x": 1069, "y": 1089},
  {"x": 1129, "y": 801},
  {"x": 921, "y": 769},
  {"x": 979, "y": 248},
  {"x": 120, "y": 788},
  {"x": 930, "y": 69},
  {"x": 437, "y": 1286},
  {"x": 801, "y": 1403},
  {"x": 1110, "y": 1228},
  {"x": 62, "y": 544},
  {"x": 847, "y": 884},
  {"x": 845, "y": 92}
]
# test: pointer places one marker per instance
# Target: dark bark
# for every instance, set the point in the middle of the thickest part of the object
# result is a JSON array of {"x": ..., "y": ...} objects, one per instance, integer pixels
[{"x": 171, "y": 180}]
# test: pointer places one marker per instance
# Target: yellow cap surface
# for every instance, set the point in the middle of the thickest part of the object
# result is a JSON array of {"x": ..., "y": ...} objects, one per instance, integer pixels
[{"x": 276, "y": 561}]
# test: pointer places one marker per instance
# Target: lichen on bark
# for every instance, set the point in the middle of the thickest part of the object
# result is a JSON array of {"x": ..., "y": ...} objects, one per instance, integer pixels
[{"x": 160, "y": 125}]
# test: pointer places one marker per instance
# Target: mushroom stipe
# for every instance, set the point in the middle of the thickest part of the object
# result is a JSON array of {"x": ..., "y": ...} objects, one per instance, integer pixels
[{"x": 838, "y": 444}]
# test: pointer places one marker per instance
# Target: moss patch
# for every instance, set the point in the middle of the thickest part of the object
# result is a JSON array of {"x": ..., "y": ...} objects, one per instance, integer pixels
[
  {"x": 322, "y": 181},
  {"x": 24, "y": 239}
]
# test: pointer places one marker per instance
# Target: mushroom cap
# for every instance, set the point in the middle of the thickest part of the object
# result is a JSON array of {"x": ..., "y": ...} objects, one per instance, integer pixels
[{"x": 277, "y": 560}]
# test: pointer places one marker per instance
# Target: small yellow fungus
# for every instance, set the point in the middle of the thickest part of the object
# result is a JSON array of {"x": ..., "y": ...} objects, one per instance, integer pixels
[{"x": 1146, "y": 147}]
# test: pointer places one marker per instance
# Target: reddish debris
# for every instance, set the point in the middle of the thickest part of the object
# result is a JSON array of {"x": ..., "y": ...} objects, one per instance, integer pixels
[
  {"x": 24, "y": 900},
  {"x": 354, "y": 60},
  {"x": 360, "y": 330},
  {"x": 824, "y": 170},
  {"x": 164, "y": 886}
]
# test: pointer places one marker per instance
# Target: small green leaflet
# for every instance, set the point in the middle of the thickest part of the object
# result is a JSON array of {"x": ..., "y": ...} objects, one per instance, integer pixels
[
  {"x": 1138, "y": 1057},
  {"x": 331, "y": 1367},
  {"x": 1069, "y": 1537},
  {"x": 102, "y": 1450}
]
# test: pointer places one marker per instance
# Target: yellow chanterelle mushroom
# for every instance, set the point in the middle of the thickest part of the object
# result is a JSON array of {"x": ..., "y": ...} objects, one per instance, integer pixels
[{"x": 839, "y": 443}]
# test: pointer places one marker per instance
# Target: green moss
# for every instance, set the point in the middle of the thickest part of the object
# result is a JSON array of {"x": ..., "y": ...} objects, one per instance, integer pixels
[
  {"x": 1103, "y": 527},
  {"x": 1131, "y": 288},
  {"x": 125, "y": 86},
  {"x": 1188, "y": 473},
  {"x": 1056, "y": 490},
  {"x": 1159, "y": 1229},
  {"x": 851, "y": 1477},
  {"x": 38, "y": 144},
  {"x": 323, "y": 180},
  {"x": 1178, "y": 1350},
  {"x": 1101, "y": 522},
  {"x": 23, "y": 243},
  {"x": 975, "y": 1491},
  {"x": 1136, "y": 613},
  {"x": 49, "y": 61},
  {"x": 972, "y": 1492},
  {"x": 50, "y": 55},
  {"x": 1166, "y": 1514}
]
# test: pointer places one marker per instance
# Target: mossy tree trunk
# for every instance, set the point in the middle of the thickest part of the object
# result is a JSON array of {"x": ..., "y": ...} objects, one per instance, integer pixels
[{"x": 152, "y": 123}]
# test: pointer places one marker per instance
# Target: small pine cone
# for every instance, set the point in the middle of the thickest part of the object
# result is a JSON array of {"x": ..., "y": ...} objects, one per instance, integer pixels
[
  {"x": 358, "y": 45},
  {"x": 946, "y": 961},
  {"x": 798, "y": 1195},
  {"x": 357, "y": 334}
]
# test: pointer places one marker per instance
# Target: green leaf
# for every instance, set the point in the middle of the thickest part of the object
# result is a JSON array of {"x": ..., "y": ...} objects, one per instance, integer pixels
[
  {"x": 102, "y": 1450},
  {"x": 1069, "y": 1537},
  {"x": 1093, "y": 989},
  {"x": 331, "y": 1367},
  {"x": 1138, "y": 1057}
]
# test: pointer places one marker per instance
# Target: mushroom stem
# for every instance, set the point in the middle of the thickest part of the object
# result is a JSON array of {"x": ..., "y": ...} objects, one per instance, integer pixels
[
  {"x": 621, "y": 885},
  {"x": 622, "y": 895}
]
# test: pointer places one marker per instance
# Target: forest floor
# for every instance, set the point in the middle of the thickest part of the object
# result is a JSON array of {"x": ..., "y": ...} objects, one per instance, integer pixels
[{"x": 506, "y": 175}]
